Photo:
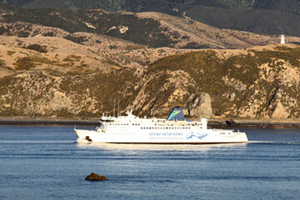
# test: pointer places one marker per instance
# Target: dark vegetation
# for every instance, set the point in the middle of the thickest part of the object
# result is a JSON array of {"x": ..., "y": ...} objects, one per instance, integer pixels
[
  {"x": 141, "y": 31},
  {"x": 263, "y": 17},
  {"x": 76, "y": 39},
  {"x": 25, "y": 63},
  {"x": 259, "y": 21},
  {"x": 2, "y": 63},
  {"x": 37, "y": 47}
]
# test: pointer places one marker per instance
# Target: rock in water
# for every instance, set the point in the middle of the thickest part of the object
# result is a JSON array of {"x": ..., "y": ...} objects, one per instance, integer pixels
[{"x": 95, "y": 177}]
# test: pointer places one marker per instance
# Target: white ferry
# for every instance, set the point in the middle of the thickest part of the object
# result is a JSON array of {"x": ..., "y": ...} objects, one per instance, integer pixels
[{"x": 173, "y": 130}]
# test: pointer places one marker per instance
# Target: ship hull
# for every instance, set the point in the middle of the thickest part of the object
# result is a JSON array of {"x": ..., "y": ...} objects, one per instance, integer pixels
[{"x": 208, "y": 136}]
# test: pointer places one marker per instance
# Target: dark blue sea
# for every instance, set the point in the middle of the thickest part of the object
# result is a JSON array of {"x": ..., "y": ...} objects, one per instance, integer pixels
[{"x": 45, "y": 162}]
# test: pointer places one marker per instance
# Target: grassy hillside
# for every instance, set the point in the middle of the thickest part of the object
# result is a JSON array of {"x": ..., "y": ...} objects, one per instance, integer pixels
[{"x": 249, "y": 83}]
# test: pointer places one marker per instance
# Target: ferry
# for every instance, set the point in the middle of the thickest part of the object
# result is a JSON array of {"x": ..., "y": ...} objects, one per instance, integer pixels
[{"x": 175, "y": 129}]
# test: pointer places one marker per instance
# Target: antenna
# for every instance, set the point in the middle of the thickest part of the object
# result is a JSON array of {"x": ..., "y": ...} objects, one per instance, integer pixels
[
  {"x": 118, "y": 108},
  {"x": 114, "y": 107}
]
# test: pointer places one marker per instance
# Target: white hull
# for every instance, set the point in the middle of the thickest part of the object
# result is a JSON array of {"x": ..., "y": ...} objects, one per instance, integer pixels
[{"x": 208, "y": 136}]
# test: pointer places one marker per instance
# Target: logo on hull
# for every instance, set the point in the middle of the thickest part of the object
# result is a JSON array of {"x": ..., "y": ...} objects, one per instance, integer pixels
[{"x": 200, "y": 136}]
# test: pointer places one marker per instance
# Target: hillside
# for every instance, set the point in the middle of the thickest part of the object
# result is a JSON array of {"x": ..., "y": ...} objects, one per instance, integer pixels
[
  {"x": 149, "y": 29},
  {"x": 77, "y": 63},
  {"x": 56, "y": 77},
  {"x": 129, "y": 5},
  {"x": 272, "y": 17}
]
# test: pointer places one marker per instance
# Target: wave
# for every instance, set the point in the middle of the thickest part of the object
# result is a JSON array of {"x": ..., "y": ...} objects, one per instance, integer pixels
[
  {"x": 274, "y": 142},
  {"x": 36, "y": 141}
]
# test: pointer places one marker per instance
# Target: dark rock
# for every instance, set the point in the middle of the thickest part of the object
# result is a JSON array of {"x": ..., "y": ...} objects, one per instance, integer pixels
[
  {"x": 95, "y": 177},
  {"x": 231, "y": 123},
  {"x": 199, "y": 105}
]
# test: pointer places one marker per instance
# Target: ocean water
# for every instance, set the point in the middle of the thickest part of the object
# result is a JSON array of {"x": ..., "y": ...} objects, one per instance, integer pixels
[{"x": 44, "y": 162}]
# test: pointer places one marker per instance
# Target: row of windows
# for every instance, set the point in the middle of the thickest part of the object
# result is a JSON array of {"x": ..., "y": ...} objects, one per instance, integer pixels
[
  {"x": 183, "y": 127},
  {"x": 124, "y": 124},
  {"x": 166, "y": 127}
]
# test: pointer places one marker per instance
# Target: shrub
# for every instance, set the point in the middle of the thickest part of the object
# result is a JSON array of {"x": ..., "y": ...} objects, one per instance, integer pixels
[
  {"x": 37, "y": 47},
  {"x": 25, "y": 63}
]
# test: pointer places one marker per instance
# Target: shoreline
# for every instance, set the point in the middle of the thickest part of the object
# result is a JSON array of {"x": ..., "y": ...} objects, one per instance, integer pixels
[
  {"x": 213, "y": 123},
  {"x": 255, "y": 123}
]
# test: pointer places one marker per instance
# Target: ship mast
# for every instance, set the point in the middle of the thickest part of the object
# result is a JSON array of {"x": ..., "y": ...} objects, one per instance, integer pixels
[
  {"x": 118, "y": 108},
  {"x": 114, "y": 107}
]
